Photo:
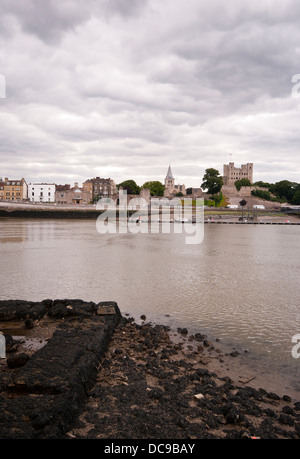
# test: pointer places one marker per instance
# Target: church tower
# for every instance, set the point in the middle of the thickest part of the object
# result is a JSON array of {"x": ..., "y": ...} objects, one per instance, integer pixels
[{"x": 169, "y": 180}]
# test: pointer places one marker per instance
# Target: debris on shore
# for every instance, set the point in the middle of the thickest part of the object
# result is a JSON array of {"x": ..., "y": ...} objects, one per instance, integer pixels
[
  {"x": 150, "y": 387},
  {"x": 94, "y": 374}
]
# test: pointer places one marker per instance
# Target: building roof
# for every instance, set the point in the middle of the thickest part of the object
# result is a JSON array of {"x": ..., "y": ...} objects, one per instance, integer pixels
[{"x": 169, "y": 173}]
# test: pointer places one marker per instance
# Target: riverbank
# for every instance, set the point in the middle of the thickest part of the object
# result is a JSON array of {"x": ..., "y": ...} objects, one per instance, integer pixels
[
  {"x": 92, "y": 373},
  {"x": 89, "y": 212}
]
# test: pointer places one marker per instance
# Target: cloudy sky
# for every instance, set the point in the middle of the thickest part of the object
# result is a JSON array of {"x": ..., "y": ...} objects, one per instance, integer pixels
[{"x": 123, "y": 88}]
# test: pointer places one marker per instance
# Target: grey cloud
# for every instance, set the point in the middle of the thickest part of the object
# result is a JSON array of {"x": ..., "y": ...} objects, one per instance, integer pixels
[
  {"x": 50, "y": 19},
  {"x": 132, "y": 85}
]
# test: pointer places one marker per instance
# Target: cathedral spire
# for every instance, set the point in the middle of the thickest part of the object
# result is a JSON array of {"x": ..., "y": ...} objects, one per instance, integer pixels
[{"x": 169, "y": 173}]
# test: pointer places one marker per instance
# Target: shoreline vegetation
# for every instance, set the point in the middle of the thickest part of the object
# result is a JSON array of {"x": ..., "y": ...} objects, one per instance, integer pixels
[{"x": 93, "y": 373}]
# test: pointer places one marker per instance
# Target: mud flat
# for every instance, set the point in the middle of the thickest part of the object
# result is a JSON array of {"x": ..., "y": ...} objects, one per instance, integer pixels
[{"x": 93, "y": 374}]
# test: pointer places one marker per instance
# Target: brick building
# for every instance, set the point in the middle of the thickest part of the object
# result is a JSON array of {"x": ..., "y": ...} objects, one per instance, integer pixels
[
  {"x": 13, "y": 190},
  {"x": 64, "y": 194},
  {"x": 100, "y": 188}
]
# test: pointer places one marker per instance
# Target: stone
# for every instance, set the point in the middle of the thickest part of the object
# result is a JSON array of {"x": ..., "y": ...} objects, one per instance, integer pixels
[
  {"x": 17, "y": 360},
  {"x": 198, "y": 396},
  {"x": 104, "y": 310}
]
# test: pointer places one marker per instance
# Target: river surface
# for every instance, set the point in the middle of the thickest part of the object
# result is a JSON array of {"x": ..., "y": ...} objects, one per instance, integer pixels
[{"x": 241, "y": 284}]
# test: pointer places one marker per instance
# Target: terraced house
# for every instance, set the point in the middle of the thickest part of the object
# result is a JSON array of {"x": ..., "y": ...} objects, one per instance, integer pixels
[
  {"x": 100, "y": 187},
  {"x": 13, "y": 190}
]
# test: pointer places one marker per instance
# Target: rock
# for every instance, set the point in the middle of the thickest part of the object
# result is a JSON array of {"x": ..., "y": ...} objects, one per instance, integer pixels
[
  {"x": 232, "y": 416},
  {"x": 285, "y": 419},
  {"x": 143, "y": 317},
  {"x": 199, "y": 337},
  {"x": 17, "y": 360},
  {"x": 20, "y": 309},
  {"x": 10, "y": 342},
  {"x": 198, "y": 396},
  {"x": 184, "y": 331},
  {"x": 297, "y": 406},
  {"x": 273, "y": 396},
  {"x": 29, "y": 324},
  {"x": 234, "y": 354}
]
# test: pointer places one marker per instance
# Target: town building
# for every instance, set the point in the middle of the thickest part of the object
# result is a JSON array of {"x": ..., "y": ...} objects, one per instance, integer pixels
[
  {"x": 60, "y": 193},
  {"x": 232, "y": 173},
  {"x": 100, "y": 188},
  {"x": 41, "y": 192},
  {"x": 13, "y": 190},
  {"x": 64, "y": 194},
  {"x": 2, "y": 184},
  {"x": 171, "y": 190}
]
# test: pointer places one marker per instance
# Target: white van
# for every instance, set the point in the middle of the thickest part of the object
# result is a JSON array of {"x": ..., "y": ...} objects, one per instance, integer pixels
[
  {"x": 258, "y": 206},
  {"x": 232, "y": 206}
]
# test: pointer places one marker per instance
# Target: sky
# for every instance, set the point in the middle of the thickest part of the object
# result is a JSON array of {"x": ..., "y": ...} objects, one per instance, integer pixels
[{"x": 122, "y": 88}]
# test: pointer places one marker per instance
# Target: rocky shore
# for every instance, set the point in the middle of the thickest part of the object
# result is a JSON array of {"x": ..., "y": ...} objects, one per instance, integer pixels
[{"x": 93, "y": 374}]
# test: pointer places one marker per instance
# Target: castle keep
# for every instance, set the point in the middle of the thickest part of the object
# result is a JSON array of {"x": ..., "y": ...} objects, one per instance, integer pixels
[{"x": 231, "y": 173}]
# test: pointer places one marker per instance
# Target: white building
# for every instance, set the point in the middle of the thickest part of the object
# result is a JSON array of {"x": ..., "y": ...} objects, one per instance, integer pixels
[{"x": 41, "y": 192}]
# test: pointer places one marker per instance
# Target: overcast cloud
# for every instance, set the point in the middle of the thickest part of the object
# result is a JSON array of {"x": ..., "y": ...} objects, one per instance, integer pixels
[{"x": 123, "y": 88}]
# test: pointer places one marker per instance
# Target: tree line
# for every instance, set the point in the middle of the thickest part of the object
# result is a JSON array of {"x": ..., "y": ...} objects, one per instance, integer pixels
[{"x": 282, "y": 191}]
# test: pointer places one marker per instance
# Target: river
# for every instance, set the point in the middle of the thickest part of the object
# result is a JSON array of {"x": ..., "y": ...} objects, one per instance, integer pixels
[{"x": 241, "y": 284}]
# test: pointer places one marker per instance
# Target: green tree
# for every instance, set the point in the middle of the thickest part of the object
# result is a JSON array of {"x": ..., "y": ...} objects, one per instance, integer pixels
[
  {"x": 218, "y": 198},
  {"x": 296, "y": 198},
  {"x": 284, "y": 189},
  {"x": 212, "y": 181},
  {"x": 262, "y": 184},
  {"x": 130, "y": 186},
  {"x": 156, "y": 188},
  {"x": 263, "y": 194},
  {"x": 242, "y": 182}
]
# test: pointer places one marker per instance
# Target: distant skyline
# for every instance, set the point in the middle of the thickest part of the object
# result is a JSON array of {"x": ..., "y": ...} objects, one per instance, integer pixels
[{"x": 121, "y": 89}]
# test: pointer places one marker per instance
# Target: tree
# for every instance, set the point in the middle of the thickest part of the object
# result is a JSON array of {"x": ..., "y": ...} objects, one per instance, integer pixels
[
  {"x": 262, "y": 184},
  {"x": 296, "y": 198},
  {"x": 130, "y": 186},
  {"x": 284, "y": 189},
  {"x": 242, "y": 182},
  {"x": 218, "y": 198},
  {"x": 212, "y": 181},
  {"x": 156, "y": 188}
]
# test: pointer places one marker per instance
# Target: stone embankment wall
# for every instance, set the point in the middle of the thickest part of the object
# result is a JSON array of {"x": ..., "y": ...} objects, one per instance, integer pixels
[
  {"x": 41, "y": 398},
  {"x": 234, "y": 196}
]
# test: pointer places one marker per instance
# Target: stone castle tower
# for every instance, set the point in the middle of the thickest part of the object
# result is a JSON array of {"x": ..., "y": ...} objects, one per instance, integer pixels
[{"x": 231, "y": 173}]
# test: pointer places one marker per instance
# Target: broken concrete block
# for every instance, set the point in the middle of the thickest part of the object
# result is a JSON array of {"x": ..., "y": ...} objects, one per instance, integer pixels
[{"x": 104, "y": 310}]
